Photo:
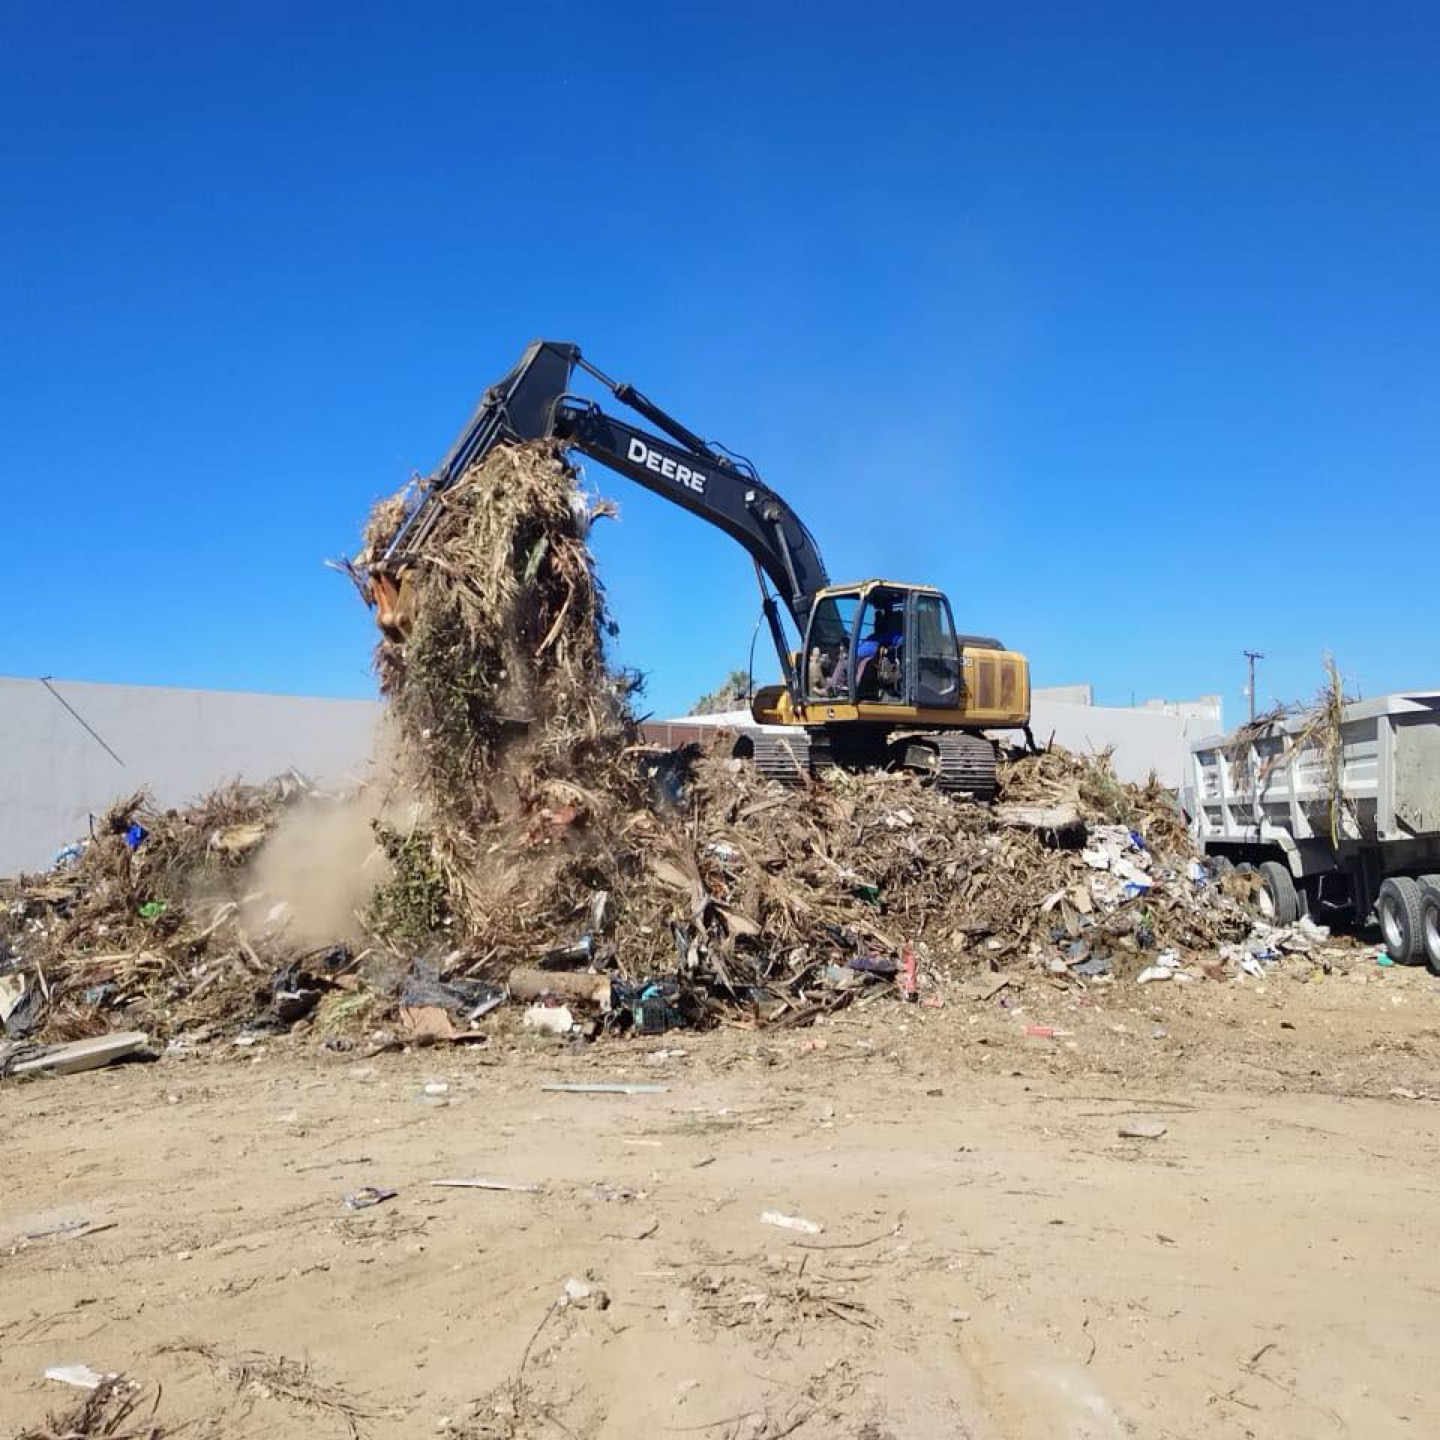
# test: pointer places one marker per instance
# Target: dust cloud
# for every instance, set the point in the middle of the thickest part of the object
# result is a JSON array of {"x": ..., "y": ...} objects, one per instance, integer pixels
[{"x": 319, "y": 868}]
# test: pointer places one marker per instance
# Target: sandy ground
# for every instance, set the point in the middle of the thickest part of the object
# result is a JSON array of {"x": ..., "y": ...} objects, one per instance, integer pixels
[{"x": 996, "y": 1260}]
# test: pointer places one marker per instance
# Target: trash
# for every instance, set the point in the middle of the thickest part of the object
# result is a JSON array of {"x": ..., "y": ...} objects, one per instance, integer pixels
[
  {"x": 288, "y": 1006},
  {"x": 70, "y": 1230},
  {"x": 530, "y": 983},
  {"x": 911, "y": 982},
  {"x": 791, "y": 1222},
  {"x": 1153, "y": 973},
  {"x": 135, "y": 835},
  {"x": 581, "y": 1293},
  {"x": 549, "y": 1019},
  {"x": 240, "y": 839},
  {"x": 68, "y": 856},
  {"x": 485, "y": 1007},
  {"x": 1040, "y": 1032},
  {"x": 606, "y": 1089},
  {"x": 82, "y": 1377},
  {"x": 426, "y": 1022},
  {"x": 78, "y": 1056},
  {"x": 153, "y": 909},
  {"x": 434, "y": 1088},
  {"x": 369, "y": 1195},
  {"x": 988, "y": 986},
  {"x": 1383, "y": 959},
  {"x": 505, "y": 1185},
  {"x": 873, "y": 965},
  {"x": 581, "y": 953},
  {"x": 1142, "y": 1130},
  {"x": 12, "y": 992},
  {"x": 652, "y": 1008},
  {"x": 1091, "y": 967}
]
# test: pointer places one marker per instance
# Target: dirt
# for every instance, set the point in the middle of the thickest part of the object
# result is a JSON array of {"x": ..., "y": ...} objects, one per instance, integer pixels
[{"x": 995, "y": 1260}]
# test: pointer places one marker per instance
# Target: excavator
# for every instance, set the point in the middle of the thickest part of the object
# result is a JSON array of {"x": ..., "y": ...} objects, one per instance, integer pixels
[{"x": 882, "y": 677}]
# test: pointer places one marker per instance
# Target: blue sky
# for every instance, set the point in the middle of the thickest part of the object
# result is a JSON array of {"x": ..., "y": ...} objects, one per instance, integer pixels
[{"x": 1117, "y": 321}]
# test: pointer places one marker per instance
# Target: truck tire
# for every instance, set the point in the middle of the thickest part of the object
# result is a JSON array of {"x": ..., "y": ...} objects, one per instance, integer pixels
[
  {"x": 1221, "y": 866},
  {"x": 1278, "y": 902},
  {"x": 1398, "y": 906},
  {"x": 1430, "y": 920}
]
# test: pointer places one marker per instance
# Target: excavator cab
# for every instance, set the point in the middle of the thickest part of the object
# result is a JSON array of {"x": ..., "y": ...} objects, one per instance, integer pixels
[{"x": 889, "y": 652}]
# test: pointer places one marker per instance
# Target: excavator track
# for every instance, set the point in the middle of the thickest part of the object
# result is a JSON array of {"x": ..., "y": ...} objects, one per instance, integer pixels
[
  {"x": 791, "y": 758},
  {"x": 785, "y": 758},
  {"x": 967, "y": 765}
]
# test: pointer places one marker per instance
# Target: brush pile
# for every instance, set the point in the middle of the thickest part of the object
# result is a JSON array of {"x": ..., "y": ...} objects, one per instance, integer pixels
[
  {"x": 154, "y": 917},
  {"x": 546, "y": 847}
]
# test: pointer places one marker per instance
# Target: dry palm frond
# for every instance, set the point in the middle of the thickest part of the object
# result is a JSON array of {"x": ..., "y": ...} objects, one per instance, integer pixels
[
  {"x": 1323, "y": 731},
  {"x": 275, "y": 1377},
  {"x": 115, "y": 1410}
]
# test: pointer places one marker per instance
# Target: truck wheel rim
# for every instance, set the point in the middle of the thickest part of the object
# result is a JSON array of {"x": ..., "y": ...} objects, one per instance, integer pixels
[
  {"x": 1390, "y": 924},
  {"x": 1265, "y": 901},
  {"x": 1432, "y": 932}
]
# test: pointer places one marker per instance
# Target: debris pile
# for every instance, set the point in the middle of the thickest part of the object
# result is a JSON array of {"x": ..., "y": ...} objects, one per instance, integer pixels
[
  {"x": 153, "y": 921},
  {"x": 549, "y": 856},
  {"x": 712, "y": 892}
]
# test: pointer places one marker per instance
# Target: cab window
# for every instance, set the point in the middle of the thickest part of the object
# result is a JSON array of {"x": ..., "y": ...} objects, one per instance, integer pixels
[
  {"x": 880, "y": 649},
  {"x": 827, "y": 647},
  {"x": 937, "y": 659}
]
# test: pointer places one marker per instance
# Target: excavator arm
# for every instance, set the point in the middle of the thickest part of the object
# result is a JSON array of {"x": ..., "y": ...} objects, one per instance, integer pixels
[{"x": 534, "y": 402}]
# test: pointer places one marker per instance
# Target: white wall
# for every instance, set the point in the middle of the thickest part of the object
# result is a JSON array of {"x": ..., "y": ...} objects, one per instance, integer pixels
[
  {"x": 179, "y": 743},
  {"x": 1067, "y": 694},
  {"x": 1144, "y": 739}
]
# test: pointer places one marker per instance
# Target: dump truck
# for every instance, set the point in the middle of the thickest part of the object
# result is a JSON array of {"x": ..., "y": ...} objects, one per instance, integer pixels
[
  {"x": 882, "y": 675},
  {"x": 1338, "y": 815}
]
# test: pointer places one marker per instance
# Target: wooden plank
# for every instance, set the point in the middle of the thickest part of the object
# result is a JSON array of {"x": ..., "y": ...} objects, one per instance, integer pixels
[{"x": 81, "y": 1055}]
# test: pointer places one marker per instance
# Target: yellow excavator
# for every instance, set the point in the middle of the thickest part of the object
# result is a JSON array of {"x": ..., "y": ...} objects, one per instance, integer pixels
[{"x": 881, "y": 678}]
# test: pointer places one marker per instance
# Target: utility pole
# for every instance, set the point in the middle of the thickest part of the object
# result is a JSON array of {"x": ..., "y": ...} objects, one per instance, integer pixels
[{"x": 1252, "y": 656}]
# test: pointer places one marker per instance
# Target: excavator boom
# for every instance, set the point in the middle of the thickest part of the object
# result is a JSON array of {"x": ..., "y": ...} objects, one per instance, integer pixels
[{"x": 534, "y": 402}]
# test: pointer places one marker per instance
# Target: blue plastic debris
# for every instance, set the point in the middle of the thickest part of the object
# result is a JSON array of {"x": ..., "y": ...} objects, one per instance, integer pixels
[{"x": 135, "y": 836}]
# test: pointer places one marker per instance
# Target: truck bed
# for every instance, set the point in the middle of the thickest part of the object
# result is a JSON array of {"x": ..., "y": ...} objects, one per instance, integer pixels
[{"x": 1275, "y": 788}]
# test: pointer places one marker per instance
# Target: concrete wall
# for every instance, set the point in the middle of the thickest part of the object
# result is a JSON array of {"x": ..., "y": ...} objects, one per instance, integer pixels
[
  {"x": 179, "y": 743},
  {"x": 1143, "y": 739}
]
